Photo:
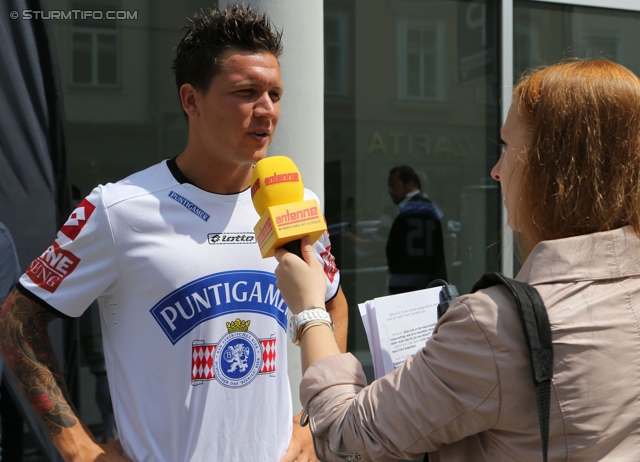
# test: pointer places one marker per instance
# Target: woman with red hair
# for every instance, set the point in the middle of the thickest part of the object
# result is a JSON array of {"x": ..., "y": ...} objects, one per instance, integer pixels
[{"x": 570, "y": 177}]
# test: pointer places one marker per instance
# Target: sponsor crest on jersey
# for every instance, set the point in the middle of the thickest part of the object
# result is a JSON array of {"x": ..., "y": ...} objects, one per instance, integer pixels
[
  {"x": 49, "y": 269},
  {"x": 78, "y": 219},
  {"x": 219, "y": 294},
  {"x": 235, "y": 360},
  {"x": 231, "y": 238},
  {"x": 329, "y": 263}
]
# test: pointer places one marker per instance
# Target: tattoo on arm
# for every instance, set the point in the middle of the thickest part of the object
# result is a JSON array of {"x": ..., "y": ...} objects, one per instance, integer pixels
[{"x": 28, "y": 351}]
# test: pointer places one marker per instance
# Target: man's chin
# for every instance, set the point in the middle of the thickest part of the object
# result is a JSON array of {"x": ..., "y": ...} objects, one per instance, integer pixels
[
  {"x": 255, "y": 156},
  {"x": 258, "y": 156}
]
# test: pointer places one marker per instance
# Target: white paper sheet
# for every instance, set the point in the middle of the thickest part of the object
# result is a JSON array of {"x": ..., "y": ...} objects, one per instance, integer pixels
[{"x": 397, "y": 326}]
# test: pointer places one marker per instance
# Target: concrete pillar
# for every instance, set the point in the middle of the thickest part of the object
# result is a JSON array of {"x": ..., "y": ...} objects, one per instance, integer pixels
[{"x": 300, "y": 133}]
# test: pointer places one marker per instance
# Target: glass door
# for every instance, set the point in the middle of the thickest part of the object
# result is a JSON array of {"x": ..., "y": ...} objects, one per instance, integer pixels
[{"x": 410, "y": 83}]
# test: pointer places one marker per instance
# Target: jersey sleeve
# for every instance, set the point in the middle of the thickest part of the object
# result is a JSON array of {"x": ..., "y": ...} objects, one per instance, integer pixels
[
  {"x": 322, "y": 248},
  {"x": 80, "y": 264}
]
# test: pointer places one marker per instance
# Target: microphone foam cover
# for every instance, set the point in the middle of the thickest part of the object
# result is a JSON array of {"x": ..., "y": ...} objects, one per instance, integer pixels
[{"x": 275, "y": 180}]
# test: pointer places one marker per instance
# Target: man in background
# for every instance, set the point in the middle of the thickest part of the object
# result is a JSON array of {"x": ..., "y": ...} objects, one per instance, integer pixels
[{"x": 415, "y": 247}]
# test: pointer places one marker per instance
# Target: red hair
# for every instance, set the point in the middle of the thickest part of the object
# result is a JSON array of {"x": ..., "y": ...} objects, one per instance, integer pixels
[{"x": 582, "y": 170}]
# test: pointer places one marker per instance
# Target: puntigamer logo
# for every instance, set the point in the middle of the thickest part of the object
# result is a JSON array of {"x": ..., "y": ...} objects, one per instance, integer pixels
[
  {"x": 189, "y": 205},
  {"x": 231, "y": 238},
  {"x": 219, "y": 294}
]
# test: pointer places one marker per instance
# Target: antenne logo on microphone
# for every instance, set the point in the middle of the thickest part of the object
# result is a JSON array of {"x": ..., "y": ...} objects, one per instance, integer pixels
[
  {"x": 283, "y": 223},
  {"x": 276, "y": 178},
  {"x": 298, "y": 216}
]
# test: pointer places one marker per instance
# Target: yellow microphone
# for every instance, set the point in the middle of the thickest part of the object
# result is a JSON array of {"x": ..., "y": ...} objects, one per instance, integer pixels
[{"x": 277, "y": 193}]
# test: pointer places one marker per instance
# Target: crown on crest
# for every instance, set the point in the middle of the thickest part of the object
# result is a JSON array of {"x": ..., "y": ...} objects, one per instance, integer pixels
[{"x": 238, "y": 326}]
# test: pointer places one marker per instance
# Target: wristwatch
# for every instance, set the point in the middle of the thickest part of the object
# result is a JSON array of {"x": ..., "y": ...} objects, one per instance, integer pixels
[{"x": 314, "y": 314}]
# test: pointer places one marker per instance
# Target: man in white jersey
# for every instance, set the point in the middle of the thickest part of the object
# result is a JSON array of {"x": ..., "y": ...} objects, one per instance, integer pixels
[{"x": 193, "y": 324}]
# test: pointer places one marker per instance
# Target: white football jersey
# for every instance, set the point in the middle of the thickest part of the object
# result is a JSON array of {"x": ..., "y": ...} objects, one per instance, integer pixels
[{"x": 194, "y": 327}]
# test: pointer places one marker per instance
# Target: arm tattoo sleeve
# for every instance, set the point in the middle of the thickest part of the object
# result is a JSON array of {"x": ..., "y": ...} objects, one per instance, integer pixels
[{"x": 28, "y": 352}]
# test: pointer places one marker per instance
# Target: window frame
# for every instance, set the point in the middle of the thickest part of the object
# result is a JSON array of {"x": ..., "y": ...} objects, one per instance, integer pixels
[
  {"x": 403, "y": 25},
  {"x": 95, "y": 32}
]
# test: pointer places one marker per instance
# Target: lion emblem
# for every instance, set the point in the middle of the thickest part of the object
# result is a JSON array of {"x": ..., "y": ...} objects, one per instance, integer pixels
[{"x": 237, "y": 355}]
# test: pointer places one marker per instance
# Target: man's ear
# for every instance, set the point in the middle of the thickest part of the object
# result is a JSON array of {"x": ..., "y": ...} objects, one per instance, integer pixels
[{"x": 189, "y": 100}]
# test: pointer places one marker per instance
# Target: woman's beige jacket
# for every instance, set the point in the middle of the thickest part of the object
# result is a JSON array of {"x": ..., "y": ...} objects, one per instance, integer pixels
[{"x": 468, "y": 394}]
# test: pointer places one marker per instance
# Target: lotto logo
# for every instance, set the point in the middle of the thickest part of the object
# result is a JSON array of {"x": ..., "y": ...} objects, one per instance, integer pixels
[
  {"x": 78, "y": 219},
  {"x": 50, "y": 268}
]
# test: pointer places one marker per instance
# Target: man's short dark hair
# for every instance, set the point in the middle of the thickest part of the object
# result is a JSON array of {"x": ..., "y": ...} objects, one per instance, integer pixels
[
  {"x": 406, "y": 174},
  {"x": 210, "y": 33}
]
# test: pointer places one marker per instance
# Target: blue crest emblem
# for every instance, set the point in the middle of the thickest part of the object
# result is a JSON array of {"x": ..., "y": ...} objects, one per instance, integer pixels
[{"x": 237, "y": 359}]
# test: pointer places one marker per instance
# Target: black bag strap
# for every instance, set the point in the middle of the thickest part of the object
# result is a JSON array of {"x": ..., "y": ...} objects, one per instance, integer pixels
[{"x": 537, "y": 332}]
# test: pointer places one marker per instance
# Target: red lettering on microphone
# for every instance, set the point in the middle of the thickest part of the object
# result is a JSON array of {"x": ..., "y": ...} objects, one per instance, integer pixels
[
  {"x": 299, "y": 216},
  {"x": 266, "y": 230},
  {"x": 292, "y": 177}
]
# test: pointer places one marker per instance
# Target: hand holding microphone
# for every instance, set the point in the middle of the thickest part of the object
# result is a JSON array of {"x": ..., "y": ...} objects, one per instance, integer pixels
[{"x": 277, "y": 192}]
